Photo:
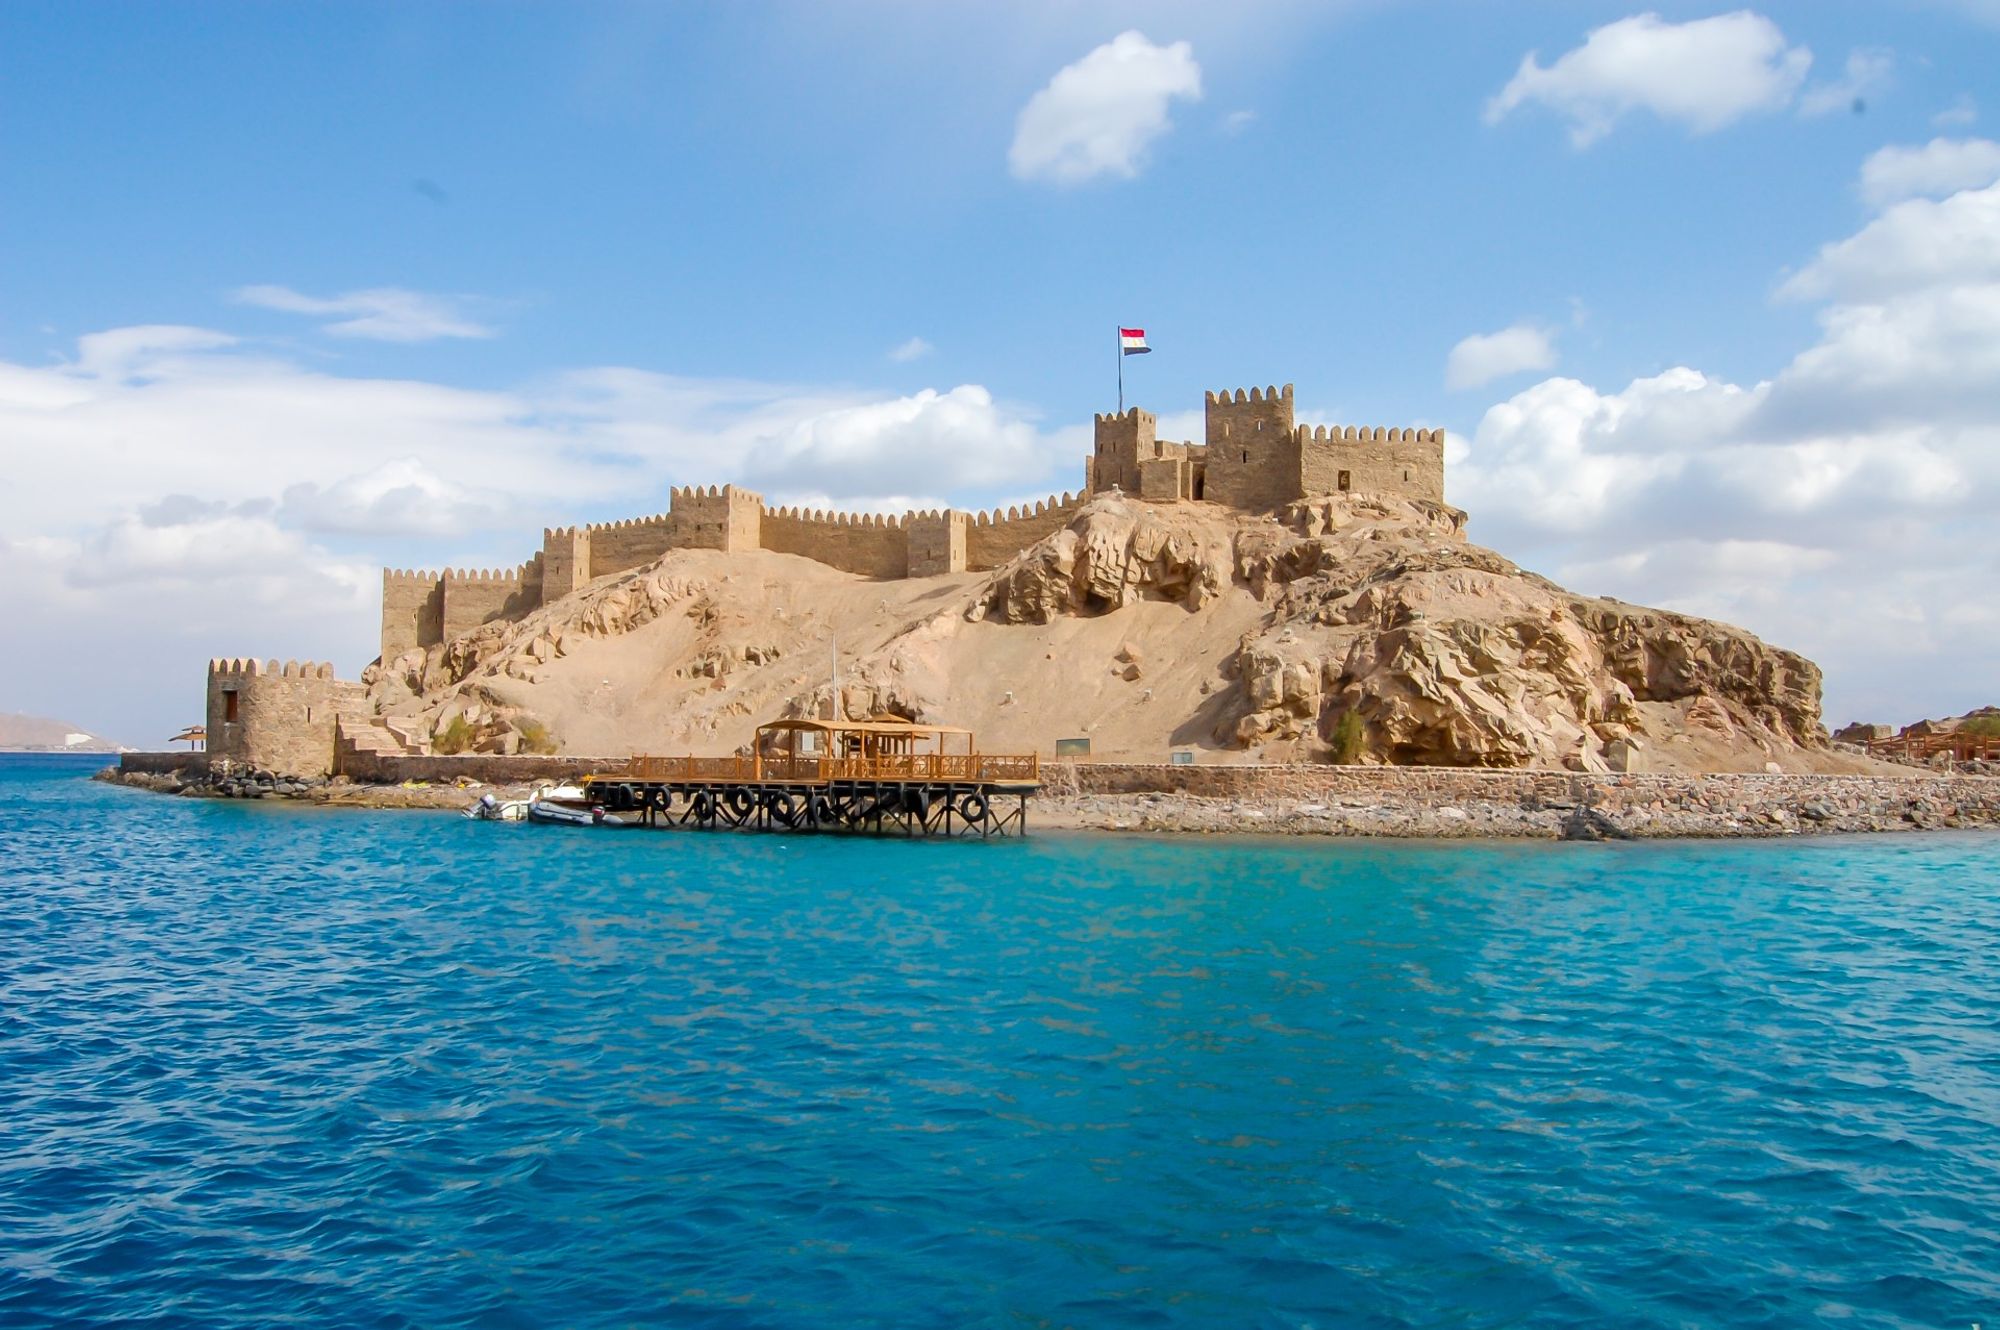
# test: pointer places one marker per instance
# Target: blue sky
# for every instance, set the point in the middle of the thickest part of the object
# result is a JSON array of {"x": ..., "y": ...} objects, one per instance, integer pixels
[{"x": 291, "y": 287}]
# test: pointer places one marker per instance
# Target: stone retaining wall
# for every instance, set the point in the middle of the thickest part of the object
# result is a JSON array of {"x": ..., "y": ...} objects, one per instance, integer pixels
[
  {"x": 1614, "y": 793},
  {"x": 486, "y": 768},
  {"x": 191, "y": 765}
]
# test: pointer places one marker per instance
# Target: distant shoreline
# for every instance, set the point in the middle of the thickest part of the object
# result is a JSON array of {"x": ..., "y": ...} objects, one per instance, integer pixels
[{"x": 79, "y": 751}]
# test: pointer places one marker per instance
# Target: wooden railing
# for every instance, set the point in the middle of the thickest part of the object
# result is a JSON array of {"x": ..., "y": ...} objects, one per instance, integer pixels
[
  {"x": 692, "y": 768},
  {"x": 966, "y": 768}
]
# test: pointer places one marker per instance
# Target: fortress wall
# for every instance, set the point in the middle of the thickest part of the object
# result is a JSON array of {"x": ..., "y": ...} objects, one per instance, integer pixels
[
  {"x": 476, "y": 596},
  {"x": 937, "y": 542},
  {"x": 271, "y": 717},
  {"x": 1256, "y": 458},
  {"x": 716, "y": 519},
  {"x": 616, "y": 547},
  {"x": 1164, "y": 479},
  {"x": 1120, "y": 442},
  {"x": 1404, "y": 462},
  {"x": 867, "y": 544},
  {"x": 1253, "y": 453},
  {"x": 412, "y": 611},
  {"x": 995, "y": 537},
  {"x": 565, "y": 561}
]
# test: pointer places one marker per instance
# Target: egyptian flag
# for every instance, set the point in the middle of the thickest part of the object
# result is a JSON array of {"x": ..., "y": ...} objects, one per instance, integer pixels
[{"x": 1132, "y": 341}]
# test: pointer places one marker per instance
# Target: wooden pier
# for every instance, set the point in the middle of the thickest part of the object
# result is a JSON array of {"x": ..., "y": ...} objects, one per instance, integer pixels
[{"x": 880, "y": 777}]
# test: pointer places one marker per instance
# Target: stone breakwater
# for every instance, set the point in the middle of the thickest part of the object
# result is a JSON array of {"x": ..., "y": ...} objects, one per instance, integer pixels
[
  {"x": 380, "y": 782},
  {"x": 336, "y": 792},
  {"x": 1456, "y": 802},
  {"x": 1429, "y": 802}
]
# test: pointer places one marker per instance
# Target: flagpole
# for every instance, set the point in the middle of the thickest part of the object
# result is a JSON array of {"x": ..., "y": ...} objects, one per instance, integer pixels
[{"x": 1118, "y": 349}]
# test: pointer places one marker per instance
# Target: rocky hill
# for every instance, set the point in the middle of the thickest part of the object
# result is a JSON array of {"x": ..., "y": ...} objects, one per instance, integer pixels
[
  {"x": 1344, "y": 627},
  {"x": 38, "y": 734}
]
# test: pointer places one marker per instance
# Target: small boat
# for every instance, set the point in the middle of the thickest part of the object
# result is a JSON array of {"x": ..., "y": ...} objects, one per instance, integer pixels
[
  {"x": 490, "y": 807},
  {"x": 564, "y": 813}
]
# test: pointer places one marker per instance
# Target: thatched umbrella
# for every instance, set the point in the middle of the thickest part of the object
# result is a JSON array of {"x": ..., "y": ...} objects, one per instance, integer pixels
[{"x": 194, "y": 735}]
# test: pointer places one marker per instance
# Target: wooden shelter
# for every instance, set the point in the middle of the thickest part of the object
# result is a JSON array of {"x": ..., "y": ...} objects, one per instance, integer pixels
[{"x": 879, "y": 774}]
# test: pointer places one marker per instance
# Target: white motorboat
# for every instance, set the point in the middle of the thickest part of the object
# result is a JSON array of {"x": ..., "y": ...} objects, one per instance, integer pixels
[
  {"x": 568, "y": 814},
  {"x": 490, "y": 807}
]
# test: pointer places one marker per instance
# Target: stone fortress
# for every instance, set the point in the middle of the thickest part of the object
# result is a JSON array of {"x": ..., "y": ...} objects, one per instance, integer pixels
[
  {"x": 1256, "y": 457},
  {"x": 298, "y": 717}
]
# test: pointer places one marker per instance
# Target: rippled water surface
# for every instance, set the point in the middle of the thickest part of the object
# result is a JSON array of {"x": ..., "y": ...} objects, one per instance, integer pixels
[{"x": 266, "y": 1065}]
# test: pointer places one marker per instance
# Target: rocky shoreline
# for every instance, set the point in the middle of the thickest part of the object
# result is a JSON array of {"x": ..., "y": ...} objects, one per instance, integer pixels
[{"x": 1693, "y": 807}]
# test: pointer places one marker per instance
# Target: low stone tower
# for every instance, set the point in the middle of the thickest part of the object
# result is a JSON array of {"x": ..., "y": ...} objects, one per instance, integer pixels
[{"x": 263, "y": 716}]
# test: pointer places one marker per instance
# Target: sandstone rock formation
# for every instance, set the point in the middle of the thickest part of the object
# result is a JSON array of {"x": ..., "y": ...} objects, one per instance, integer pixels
[{"x": 1145, "y": 627}]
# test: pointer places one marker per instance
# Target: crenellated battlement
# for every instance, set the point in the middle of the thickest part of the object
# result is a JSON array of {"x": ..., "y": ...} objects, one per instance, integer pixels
[
  {"x": 826, "y": 517},
  {"x": 680, "y": 494},
  {"x": 1266, "y": 395},
  {"x": 245, "y": 667},
  {"x": 629, "y": 524},
  {"x": 1063, "y": 502},
  {"x": 1130, "y": 416},
  {"x": 1367, "y": 434},
  {"x": 410, "y": 577}
]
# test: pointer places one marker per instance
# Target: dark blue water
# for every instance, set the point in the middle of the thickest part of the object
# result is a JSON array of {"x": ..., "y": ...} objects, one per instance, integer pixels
[{"x": 265, "y": 1065}]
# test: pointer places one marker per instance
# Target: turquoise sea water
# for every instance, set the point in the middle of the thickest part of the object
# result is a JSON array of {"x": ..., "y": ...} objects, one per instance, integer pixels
[{"x": 267, "y": 1065}]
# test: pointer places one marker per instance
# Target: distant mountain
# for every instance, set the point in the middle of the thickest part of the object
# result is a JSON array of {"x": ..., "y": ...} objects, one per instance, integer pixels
[{"x": 38, "y": 734}]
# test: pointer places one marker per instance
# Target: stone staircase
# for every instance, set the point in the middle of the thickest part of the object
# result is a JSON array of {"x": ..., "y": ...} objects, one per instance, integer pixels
[{"x": 359, "y": 733}]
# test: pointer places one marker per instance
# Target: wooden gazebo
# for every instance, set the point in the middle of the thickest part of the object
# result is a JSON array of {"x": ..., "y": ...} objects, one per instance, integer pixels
[{"x": 880, "y": 774}]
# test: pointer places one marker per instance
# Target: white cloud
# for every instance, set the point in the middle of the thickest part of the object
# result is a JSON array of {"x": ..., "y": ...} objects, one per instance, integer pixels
[
  {"x": 155, "y": 350},
  {"x": 1986, "y": 11},
  {"x": 383, "y": 314},
  {"x": 1100, "y": 115},
  {"x": 1839, "y": 508},
  {"x": 1703, "y": 74},
  {"x": 1868, "y": 71},
  {"x": 1238, "y": 121},
  {"x": 1962, "y": 112},
  {"x": 1914, "y": 244},
  {"x": 1938, "y": 168},
  {"x": 957, "y": 441},
  {"x": 1484, "y": 357},
  {"x": 400, "y": 497},
  {"x": 222, "y": 553},
  {"x": 914, "y": 349}
]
